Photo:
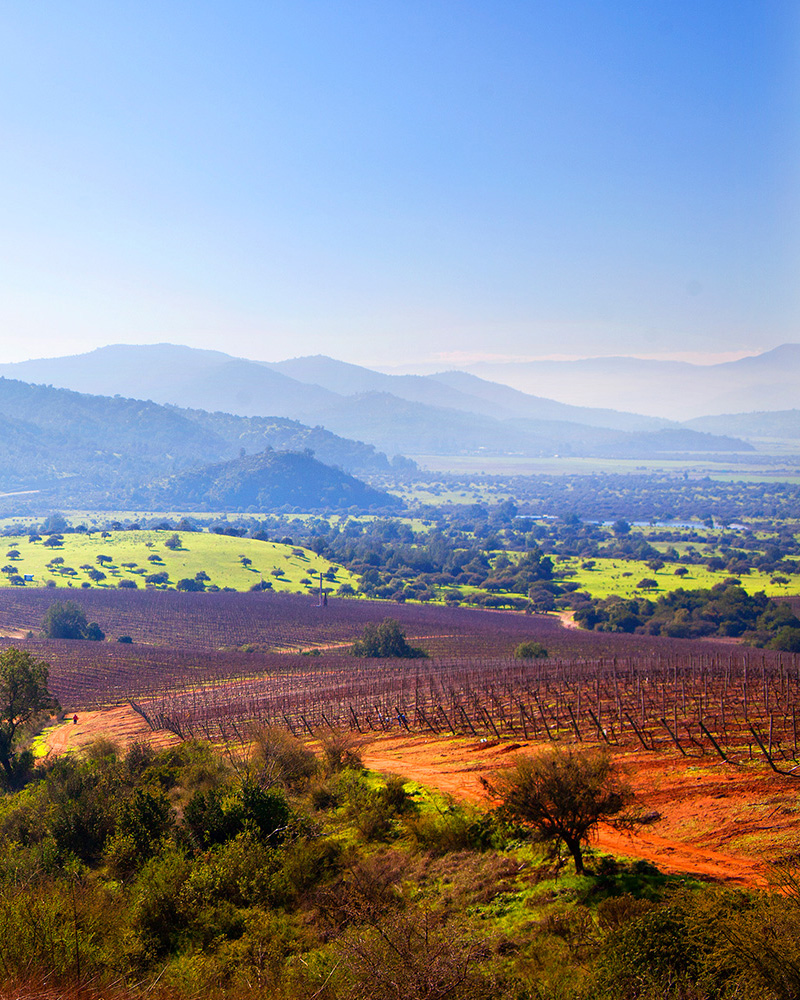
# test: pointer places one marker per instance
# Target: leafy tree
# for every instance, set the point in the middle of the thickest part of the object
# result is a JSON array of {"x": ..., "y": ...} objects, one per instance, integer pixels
[
  {"x": 173, "y": 542},
  {"x": 23, "y": 693},
  {"x": 386, "y": 639},
  {"x": 563, "y": 794},
  {"x": 530, "y": 651},
  {"x": 67, "y": 620}
]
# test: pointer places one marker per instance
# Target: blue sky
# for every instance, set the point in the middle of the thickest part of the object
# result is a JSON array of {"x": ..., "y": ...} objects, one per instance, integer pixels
[{"x": 400, "y": 182}]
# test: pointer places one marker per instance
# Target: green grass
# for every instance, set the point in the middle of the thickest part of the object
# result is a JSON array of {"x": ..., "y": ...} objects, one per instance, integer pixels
[
  {"x": 217, "y": 555},
  {"x": 618, "y": 576}
]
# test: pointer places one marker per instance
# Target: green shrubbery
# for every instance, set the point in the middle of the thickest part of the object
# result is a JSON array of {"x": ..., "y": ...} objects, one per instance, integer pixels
[{"x": 184, "y": 874}]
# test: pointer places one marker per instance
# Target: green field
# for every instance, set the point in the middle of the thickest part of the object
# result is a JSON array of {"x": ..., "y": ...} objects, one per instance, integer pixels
[
  {"x": 136, "y": 554},
  {"x": 618, "y": 576}
]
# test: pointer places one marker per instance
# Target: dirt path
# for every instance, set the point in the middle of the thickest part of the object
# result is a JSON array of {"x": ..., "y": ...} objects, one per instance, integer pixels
[
  {"x": 716, "y": 823},
  {"x": 121, "y": 725}
]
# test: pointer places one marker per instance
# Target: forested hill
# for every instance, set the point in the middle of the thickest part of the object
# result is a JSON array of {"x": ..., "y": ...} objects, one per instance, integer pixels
[
  {"x": 79, "y": 446},
  {"x": 266, "y": 481}
]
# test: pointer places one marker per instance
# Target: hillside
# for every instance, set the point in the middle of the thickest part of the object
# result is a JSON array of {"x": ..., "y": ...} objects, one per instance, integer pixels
[
  {"x": 451, "y": 413},
  {"x": 267, "y": 481},
  {"x": 671, "y": 389}
]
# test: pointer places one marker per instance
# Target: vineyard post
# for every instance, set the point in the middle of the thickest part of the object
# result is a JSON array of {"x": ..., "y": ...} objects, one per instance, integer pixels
[
  {"x": 575, "y": 724},
  {"x": 544, "y": 720},
  {"x": 638, "y": 733},
  {"x": 355, "y": 718},
  {"x": 425, "y": 719},
  {"x": 466, "y": 719},
  {"x": 600, "y": 731},
  {"x": 675, "y": 739},
  {"x": 491, "y": 723},
  {"x": 716, "y": 745},
  {"x": 770, "y": 761},
  {"x": 522, "y": 720},
  {"x": 441, "y": 712}
]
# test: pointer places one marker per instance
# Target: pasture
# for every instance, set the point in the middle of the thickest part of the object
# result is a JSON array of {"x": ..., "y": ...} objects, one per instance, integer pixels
[
  {"x": 237, "y": 563},
  {"x": 602, "y": 577}
]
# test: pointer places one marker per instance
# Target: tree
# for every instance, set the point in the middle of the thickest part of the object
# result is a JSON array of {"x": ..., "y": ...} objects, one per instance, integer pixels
[
  {"x": 173, "y": 542},
  {"x": 67, "y": 620},
  {"x": 530, "y": 650},
  {"x": 386, "y": 639},
  {"x": 563, "y": 794},
  {"x": 23, "y": 693}
]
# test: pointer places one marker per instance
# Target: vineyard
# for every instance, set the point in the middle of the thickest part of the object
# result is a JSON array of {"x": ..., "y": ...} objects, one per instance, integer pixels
[{"x": 209, "y": 666}]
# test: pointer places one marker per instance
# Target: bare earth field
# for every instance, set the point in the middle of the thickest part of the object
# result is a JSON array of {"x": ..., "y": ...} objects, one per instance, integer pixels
[{"x": 716, "y": 822}]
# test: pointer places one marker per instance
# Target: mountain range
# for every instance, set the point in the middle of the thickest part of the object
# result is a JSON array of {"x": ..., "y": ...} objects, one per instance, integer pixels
[
  {"x": 446, "y": 413},
  {"x": 671, "y": 389}
]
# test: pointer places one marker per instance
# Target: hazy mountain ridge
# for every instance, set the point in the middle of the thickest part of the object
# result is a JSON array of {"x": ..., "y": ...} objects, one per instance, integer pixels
[
  {"x": 266, "y": 481},
  {"x": 93, "y": 446},
  {"x": 448, "y": 413},
  {"x": 676, "y": 390}
]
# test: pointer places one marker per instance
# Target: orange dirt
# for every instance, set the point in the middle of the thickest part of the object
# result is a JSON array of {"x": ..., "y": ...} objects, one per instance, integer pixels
[
  {"x": 121, "y": 725},
  {"x": 715, "y": 821}
]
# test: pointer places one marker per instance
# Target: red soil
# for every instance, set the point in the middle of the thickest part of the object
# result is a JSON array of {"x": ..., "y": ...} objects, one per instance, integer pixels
[{"x": 715, "y": 821}]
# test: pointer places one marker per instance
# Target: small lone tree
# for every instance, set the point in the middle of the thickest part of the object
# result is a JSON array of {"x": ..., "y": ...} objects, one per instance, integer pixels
[
  {"x": 23, "y": 693},
  {"x": 384, "y": 640},
  {"x": 563, "y": 794},
  {"x": 530, "y": 650},
  {"x": 67, "y": 620},
  {"x": 173, "y": 542}
]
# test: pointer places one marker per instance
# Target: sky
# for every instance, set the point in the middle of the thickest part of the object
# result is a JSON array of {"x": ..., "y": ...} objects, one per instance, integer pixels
[{"x": 398, "y": 182}]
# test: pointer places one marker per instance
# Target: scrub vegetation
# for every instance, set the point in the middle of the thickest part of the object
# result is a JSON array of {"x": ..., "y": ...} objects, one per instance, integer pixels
[{"x": 194, "y": 873}]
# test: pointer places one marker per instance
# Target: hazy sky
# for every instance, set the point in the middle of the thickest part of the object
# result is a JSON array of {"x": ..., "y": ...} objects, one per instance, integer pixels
[{"x": 393, "y": 181}]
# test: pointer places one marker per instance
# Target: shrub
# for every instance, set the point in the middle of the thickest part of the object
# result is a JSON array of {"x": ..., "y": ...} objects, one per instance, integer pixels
[
  {"x": 280, "y": 757},
  {"x": 563, "y": 794},
  {"x": 67, "y": 620},
  {"x": 386, "y": 640},
  {"x": 341, "y": 751},
  {"x": 530, "y": 651}
]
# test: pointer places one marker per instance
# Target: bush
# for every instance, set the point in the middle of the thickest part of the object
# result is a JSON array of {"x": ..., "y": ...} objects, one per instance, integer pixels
[
  {"x": 386, "y": 640},
  {"x": 530, "y": 651},
  {"x": 67, "y": 620},
  {"x": 341, "y": 752},
  {"x": 280, "y": 757}
]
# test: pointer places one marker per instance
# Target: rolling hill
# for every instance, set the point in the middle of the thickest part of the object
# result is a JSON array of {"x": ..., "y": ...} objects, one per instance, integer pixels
[{"x": 450, "y": 413}]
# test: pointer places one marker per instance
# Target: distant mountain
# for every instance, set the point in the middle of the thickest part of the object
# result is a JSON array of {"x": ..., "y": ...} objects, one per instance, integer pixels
[
  {"x": 181, "y": 376},
  {"x": 448, "y": 413},
  {"x": 776, "y": 426},
  {"x": 93, "y": 449},
  {"x": 669, "y": 389},
  {"x": 267, "y": 481},
  {"x": 508, "y": 403}
]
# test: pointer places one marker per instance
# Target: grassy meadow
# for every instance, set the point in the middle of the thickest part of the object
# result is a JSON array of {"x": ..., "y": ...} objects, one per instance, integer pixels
[
  {"x": 604, "y": 577},
  {"x": 238, "y": 563}
]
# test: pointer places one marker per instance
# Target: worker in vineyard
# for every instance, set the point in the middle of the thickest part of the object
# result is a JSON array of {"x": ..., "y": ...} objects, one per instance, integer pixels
[{"x": 75, "y": 720}]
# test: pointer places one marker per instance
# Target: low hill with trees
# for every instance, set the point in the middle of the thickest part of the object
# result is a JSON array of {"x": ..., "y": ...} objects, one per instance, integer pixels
[{"x": 268, "y": 480}]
